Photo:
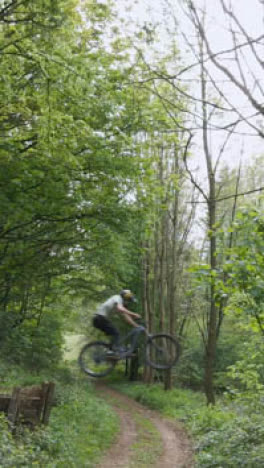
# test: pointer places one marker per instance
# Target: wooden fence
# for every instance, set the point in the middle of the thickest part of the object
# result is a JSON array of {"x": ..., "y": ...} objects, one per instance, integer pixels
[{"x": 28, "y": 405}]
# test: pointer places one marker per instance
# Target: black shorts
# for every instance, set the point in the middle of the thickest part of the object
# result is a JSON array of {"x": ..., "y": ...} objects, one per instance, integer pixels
[{"x": 103, "y": 323}]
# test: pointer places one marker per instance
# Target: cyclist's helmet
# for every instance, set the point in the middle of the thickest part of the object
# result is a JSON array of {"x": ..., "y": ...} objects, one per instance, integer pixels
[{"x": 127, "y": 295}]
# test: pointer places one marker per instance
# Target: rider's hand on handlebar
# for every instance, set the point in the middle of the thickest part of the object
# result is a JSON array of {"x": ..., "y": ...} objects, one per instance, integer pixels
[{"x": 140, "y": 322}]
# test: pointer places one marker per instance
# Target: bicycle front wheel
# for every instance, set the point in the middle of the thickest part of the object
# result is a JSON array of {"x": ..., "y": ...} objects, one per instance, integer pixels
[
  {"x": 162, "y": 351},
  {"x": 94, "y": 359}
]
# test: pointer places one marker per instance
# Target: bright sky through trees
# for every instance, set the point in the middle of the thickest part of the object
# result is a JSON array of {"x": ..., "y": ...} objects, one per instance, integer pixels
[{"x": 166, "y": 16}]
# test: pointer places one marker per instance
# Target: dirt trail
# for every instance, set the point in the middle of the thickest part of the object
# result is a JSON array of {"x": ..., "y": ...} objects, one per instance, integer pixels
[{"x": 164, "y": 446}]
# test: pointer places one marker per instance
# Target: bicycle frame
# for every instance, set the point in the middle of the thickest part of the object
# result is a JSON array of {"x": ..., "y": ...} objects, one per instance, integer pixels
[
  {"x": 98, "y": 359},
  {"x": 134, "y": 334}
]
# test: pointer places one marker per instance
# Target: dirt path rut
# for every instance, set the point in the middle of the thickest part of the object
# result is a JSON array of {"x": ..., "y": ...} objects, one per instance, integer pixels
[{"x": 145, "y": 439}]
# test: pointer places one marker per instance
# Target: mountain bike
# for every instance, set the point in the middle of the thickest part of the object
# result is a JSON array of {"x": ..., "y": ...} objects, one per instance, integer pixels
[{"x": 161, "y": 351}]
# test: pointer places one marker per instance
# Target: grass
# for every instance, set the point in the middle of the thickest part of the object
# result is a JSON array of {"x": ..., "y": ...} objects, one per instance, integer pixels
[
  {"x": 230, "y": 434},
  {"x": 80, "y": 430},
  {"x": 148, "y": 446},
  {"x": 86, "y": 425},
  {"x": 177, "y": 403},
  {"x": 83, "y": 426}
]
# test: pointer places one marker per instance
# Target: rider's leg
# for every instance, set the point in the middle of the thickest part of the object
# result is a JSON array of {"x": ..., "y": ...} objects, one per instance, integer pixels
[
  {"x": 136, "y": 332},
  {"x": 102, "y": 323}
]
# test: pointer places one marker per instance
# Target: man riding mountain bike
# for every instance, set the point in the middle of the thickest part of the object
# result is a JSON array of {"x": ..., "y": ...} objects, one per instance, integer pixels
[
  {"x": 115, "y": 305},
  {"x": 98, "y": 358}
]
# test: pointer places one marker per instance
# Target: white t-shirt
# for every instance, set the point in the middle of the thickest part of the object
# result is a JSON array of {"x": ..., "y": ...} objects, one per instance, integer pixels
[{"x": 110, "y": 306}]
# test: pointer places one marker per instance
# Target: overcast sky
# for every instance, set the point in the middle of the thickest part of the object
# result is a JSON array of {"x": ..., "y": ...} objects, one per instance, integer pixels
[{"x": 165, "y": 12}]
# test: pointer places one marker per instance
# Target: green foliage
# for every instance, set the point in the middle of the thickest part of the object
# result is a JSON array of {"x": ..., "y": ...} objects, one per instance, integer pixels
[
  {"x": 176, "y": 403},
  {"x": 21, "y": 451},
  {"x": 237, "y": 442},
  {"x": 81, "y": 427},
  {"x": 148, "y": 447},
  {"x": 245, "y": 266},
  {"x": 69, "y": 162},
  {"x": 189, "y": 371},
  {"x": 35, "y": 346},
  {"x": 246, "y": 375},
  {"x": 229, "y": 434},
  {"x": 238, "y": 299}
]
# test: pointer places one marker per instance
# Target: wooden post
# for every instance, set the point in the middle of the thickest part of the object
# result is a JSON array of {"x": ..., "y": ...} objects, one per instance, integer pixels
[
  {"x": 48, "y": 402},
  {"x": 13, "y": 409},
  {"x": 43, "y": 398}
]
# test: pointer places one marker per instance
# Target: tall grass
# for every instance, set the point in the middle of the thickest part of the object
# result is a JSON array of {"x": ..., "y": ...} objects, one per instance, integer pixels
[
  {"x": 81, "y": 426},
  {"x": 230, "y": 434}
]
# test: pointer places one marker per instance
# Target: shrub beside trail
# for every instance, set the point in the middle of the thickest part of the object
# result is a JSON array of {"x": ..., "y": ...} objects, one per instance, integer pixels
[
  {"x": 81, "y": 426},
  {"x": 229, "y": 434}
]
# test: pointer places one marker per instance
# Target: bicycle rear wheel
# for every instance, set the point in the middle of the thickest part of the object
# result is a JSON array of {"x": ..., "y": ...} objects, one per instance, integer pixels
[
  {"x": 162, "y": 351},
  {"x": 94, "y": 359}
]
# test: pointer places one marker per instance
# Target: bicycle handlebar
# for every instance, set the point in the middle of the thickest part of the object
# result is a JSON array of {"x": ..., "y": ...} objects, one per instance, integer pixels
[{"x": 141, "y": 322}]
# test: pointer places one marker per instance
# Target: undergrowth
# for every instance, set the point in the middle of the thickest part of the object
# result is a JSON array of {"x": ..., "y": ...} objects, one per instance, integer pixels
[
  {"x": 230, "y": 434},
  {"x": 148, "y": 446},
  {"x": 80, "y": 429}
]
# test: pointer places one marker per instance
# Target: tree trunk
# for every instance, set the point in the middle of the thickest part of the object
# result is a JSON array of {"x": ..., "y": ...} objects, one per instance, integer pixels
[
  {"x": 134, "y": 367},
  {"x": 147, "y": 374},
  {"x": 211, "y": 340},
  {"x": 211, "y": 326}
]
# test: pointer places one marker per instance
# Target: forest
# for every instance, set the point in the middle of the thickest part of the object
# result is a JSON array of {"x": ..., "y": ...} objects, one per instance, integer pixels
[{"x": 127, "y": 162}]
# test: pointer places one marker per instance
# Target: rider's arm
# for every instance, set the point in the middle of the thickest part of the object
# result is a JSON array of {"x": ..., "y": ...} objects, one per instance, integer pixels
[{"x": 127, "y": 314}]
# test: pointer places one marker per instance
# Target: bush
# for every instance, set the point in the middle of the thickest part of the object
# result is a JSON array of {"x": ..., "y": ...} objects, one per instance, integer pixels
[
  {"x": 176, "y": 403},
  {"x": 22, "y": 450},
  {"x": 35, "y": 346},
  {"x": 189, "y": 371},
  {"x": 230, "y": 434},
  {"x": 81, "y": 426},
  {"x": 237, "y": 442}
]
